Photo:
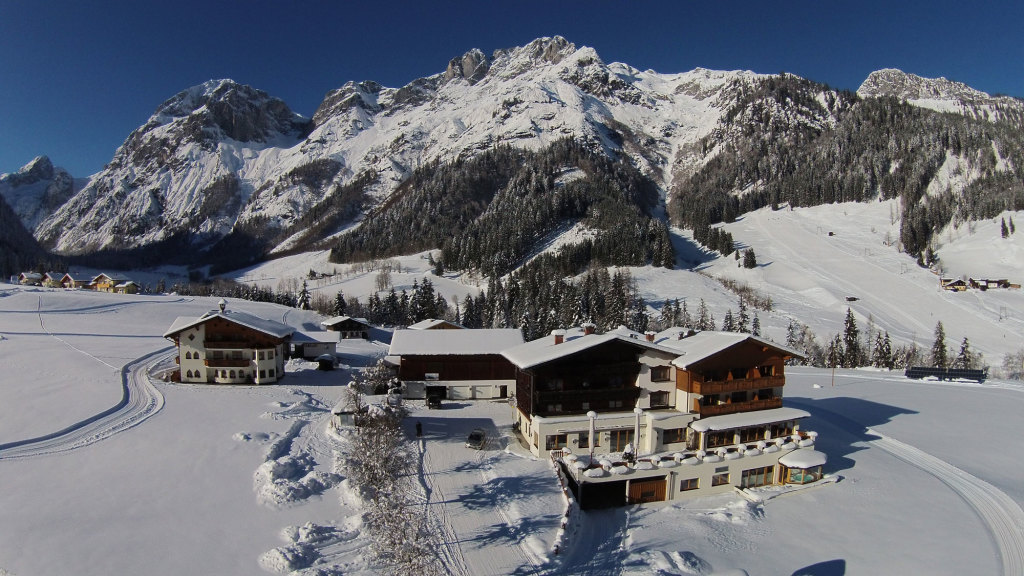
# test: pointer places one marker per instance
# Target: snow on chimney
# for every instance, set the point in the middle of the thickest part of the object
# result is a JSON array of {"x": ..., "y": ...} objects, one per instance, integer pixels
[
  {"x": 222, "y": 304},
  {"x": 559, "y": 336},
  {"x": 589, "y": 328},
  {"x": 649, "y": 335}
]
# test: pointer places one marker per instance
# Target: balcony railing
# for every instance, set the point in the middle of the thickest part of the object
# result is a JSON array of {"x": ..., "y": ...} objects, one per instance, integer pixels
[
  {"x": 227, "y": 344},
  {"x": 740, "y": 385},
  {"x": 719, "y": 409},
  {"x": 228, "y": 362}
]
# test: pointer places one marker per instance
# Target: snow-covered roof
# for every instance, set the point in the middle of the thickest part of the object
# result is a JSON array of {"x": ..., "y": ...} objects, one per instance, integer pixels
[
  {"x": 335, "y": 320},
  {"x": 703, "y": 345},
  {"x": 304, "y": 336},
  {"x": 111, "y": 277},
  {"x": 126, "y": 284},
  {"x": 32, "y": 275},
  {"x": 744, "y": 419},
  {"x": 574, "y": 340},
  {"x": 803, "y": 459},
  {"x": 431, "y": 323},
  {"x": 456, "y": 342},
  {"x": 270, "y": 327}
]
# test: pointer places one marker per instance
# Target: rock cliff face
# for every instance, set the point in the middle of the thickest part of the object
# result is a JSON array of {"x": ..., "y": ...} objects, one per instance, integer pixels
[
  {"x": 37, "y": 190},
  {"x": 222, "y": 160}
]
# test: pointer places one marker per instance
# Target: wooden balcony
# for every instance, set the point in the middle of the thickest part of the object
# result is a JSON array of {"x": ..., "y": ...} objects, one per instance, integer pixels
[
  {"x": 740, "y": 385},
  {"x": 228, "y": 362},
  {"x": 227, "y": 344},
  {"x": 735, "y": 407}
]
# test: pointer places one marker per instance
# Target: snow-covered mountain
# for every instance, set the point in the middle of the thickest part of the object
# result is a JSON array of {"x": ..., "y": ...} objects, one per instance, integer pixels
[
  {"x": 37, "y": 190},
  {"x": 223, "y": 162},
  {"x": 221, "y": 156},
  {"x": 942, "y": 95}
]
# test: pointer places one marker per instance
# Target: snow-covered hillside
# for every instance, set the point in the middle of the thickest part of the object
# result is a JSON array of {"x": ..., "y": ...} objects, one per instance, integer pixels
[{"x": 218, "y": 479}]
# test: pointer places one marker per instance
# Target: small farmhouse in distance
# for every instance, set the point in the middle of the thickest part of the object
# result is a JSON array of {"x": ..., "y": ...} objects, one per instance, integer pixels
[
  {"x": 458, "y": 364},
  {"x": 348, "y": 327},
  {"x": 229, "y": 347}
]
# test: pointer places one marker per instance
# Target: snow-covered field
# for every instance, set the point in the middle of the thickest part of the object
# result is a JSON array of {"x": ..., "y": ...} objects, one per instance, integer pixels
[{"x": 106, "y": 470}]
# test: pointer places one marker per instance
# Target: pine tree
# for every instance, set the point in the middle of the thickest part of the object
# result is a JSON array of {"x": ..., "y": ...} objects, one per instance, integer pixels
[
  {"x": 303, "y": 300},
  {"x": 851, "y": 342},
  {"x": 704, "y": 319},
  {"x": 728, "y": 325},
  {"x": 965, "y": 358},
  {"x": 939, "y": 357},
  {"x": 1003, "y": 230},
  {"x": 1013, "y": 228},
  {"x": 755, "y": 326},
  {"x": 743, "y": 318},
  {"x": 834, "y": 352},
  {"x": 339, "y": 304},
  {"x": 749, "y": 258}
]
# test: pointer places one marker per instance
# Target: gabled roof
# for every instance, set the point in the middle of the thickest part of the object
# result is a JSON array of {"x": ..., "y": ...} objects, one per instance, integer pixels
[
  {"x": 307, "y": 336},
  {"x": 54, "y": 275},
  {"x": 31, "y": 275},
  {"x": 431, "y": 323},
  {"x": 118, "y": 278},
  {"x": 335, "y": 320},
  {"x": 544, "y": 350},
  {"x": 453, "y": 342},
  {"x": 269, "y": 327},
  {"x": 703, "y": 345}
]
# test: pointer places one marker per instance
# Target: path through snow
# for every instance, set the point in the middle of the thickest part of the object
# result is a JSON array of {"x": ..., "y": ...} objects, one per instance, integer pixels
[{"x": 1001, "y": 515}]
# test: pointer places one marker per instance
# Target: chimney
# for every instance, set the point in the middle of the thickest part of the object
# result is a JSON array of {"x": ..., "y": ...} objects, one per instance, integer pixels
[
  {"x": 559, "y": 336},
  {"x": 589, "y": 328},
  {"x": 649, "y": 335},
  {"x": 222, "y": 304}
]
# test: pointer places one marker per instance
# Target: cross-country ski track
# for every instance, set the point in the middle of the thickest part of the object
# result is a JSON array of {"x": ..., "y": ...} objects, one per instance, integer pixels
[{"x": 1001, "y": 515}]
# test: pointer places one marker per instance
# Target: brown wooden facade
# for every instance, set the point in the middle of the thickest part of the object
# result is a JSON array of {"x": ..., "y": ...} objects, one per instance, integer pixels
[
  {"x": 602, "y": 379},
  {"x": 746, "y": 377},
  {"x": 455, "y": 367}
]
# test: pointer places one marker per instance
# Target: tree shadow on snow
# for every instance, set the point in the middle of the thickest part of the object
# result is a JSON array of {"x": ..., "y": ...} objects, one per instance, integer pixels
[
  {"x": 690, "y": 254},
  {"x": 841, "y": 423},
  {"x": 828, "y": 568}
]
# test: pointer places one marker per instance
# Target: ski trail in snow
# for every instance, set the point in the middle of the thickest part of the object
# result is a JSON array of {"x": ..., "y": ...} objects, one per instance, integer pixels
[
  {"x": 528, "y": 557},
  {"x": 450, "y": 550},
  {"x": 1001, "y": 515},
  {"x": 39, "y": 313},
  {"x": 139, "y": 400}
]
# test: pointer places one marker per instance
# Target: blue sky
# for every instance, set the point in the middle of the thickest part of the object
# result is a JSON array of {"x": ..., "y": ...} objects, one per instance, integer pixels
[{"x": 77, "y": 77}]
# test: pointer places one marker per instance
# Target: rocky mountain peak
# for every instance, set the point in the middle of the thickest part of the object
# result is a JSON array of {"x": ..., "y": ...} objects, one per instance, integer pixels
[
  {"x": 40, "y": 168},
  {"x": 472, "y": 67},
  {"x": 899, "y": 84}
]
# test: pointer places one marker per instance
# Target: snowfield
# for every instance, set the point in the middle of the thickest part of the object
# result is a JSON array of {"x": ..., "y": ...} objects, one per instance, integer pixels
[{"x": 107, "y": 469}]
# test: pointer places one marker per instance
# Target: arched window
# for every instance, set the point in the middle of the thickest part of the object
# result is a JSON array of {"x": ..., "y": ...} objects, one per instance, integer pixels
[
  {"x": 232, "y": 373},
  {"x": 188, "y": 355},
  {"x": 188, "y": 373}
]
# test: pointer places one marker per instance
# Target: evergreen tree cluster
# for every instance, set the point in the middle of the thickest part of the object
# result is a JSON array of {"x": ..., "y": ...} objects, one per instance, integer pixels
[
  {"x": 490, "y": 212},
  {"x": 785, "y": 139}
]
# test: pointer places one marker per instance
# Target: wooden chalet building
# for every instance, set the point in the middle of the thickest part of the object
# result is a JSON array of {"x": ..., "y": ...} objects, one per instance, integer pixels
[
  {"x": 30, "y": 279},
  {"x": 229, "y": 347},
  {"x": 72, "y": 280},
  {"x": 108, "y": 282},
  {"x": 463, "y": 364},
  {"x": 433, "y": 324},
  {"x": 348, "y": 327},
  {"x": 651, "y": 417}
]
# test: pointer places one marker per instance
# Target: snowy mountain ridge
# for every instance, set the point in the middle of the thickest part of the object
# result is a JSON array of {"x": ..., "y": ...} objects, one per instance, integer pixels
[
  {"x": 941, "y": 95},
  {"x": 221, "y": 159}
]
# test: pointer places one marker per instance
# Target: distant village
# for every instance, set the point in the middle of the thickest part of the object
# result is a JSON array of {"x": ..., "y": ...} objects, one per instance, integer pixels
[{"x": 115, "y": 283}]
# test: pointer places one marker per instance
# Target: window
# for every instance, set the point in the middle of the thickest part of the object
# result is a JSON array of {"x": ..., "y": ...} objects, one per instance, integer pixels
[
  {"x": 556, "y": 441},
  {"x": 554, "y": 407},
  {"x": 262, "y": 355},
  {"x": 584, "y": 405},
  {"x": 782, "y": 429},
  {"x": 766, "y": 370},
  {"x": 673, "y": 435},
  {"x": 620, "y": 438},
  {"x": 751, "y": 434},
  {"x": 660, "y": 373},
  {"x": 716, "y": 439},
  {"x": 270, "y": 354},
  {"x": 720, "y": 479},
  {"x": 188, "y": 355},
  {"x": 273, "y": 372},
  {"x": 689, "y": 484},
  {"x": 615, "y": 403},
  {"x": 232, "y": 374},
  {"x": 757, "y": 477},
  {"x": 263, "y": 374},
  {"x": 236, "y": 354},
  {"x": 659, "y": 399},
  {"x": 188, "y": 374}
]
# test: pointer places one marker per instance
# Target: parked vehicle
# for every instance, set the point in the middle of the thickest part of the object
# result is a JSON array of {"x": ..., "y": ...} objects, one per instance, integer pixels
[{"x": 477, "y": 439}]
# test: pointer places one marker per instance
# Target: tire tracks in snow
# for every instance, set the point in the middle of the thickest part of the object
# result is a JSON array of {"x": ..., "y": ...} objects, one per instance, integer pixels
[
  {"x": 1001, "y": 515},
  {"x": 140, "y": 399},
  {"x": 450, "y": 549}
]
